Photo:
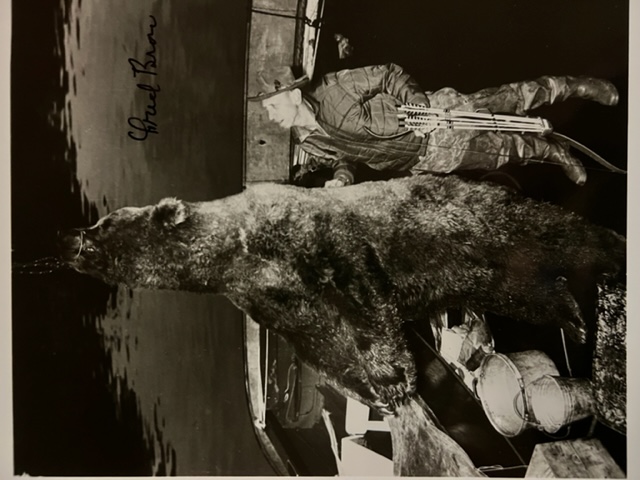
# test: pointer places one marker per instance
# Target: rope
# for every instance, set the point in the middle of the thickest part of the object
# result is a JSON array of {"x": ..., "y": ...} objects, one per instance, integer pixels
[
  {"x": 81, "y": 245},
  {"x": 317, "y": 23},
  {"x": 46, "y": 265},
  {"x": 40, "y": 266},
  {"x": 566, "y": 353}
]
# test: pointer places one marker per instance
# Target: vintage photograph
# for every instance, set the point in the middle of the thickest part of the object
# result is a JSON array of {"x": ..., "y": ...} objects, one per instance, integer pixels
[{"x": 319, "y": 238}]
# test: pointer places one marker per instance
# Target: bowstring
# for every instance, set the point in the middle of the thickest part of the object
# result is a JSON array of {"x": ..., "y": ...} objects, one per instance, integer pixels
[
  {"x": 528, "y": 159},
  {"x": 492, "y": 118}
]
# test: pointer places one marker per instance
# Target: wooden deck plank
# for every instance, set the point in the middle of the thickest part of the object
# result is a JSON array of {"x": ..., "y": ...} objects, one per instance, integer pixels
[{"x": 581, "y": 458}]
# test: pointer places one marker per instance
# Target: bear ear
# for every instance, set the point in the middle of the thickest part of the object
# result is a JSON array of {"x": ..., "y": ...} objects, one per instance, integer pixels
[{"x": 170, "y": 212}]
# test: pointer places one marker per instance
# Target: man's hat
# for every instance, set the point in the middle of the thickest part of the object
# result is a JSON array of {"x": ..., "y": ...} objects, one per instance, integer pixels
[{"x": 276, "y": 80}]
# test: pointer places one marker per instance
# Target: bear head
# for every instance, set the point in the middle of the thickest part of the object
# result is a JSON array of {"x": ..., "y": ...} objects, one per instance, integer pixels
[{"x": 134, "y": 246}]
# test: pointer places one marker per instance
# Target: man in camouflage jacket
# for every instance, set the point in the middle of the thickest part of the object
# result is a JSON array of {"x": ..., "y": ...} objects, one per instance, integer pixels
[{"x": 351, "y": 116}]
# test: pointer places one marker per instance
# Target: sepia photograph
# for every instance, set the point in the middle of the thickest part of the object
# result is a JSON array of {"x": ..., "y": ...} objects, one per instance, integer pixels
[{"x": 319, "y": 238}]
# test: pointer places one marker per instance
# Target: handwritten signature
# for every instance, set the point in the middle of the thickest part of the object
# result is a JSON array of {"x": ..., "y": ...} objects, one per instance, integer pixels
[{"x": 143, "y": 126}]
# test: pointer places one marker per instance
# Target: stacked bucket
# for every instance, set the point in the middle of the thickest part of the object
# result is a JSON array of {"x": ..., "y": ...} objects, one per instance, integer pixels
[{"x": 525, "y": 390}]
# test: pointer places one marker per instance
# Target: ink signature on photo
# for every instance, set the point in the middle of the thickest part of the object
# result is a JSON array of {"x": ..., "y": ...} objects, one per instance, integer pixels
[{"x": 145, "y": 72}]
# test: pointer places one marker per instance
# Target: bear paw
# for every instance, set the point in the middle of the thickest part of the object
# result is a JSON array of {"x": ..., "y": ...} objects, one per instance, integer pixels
[{"x": 390, "y": 392}]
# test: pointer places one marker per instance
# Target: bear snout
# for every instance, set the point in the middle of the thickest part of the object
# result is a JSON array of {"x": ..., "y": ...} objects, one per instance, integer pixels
[{"x": 70, "y": 243}]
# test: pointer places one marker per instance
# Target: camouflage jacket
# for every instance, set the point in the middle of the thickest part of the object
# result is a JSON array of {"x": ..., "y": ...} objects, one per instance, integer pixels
[{"x": 357, "y": 113}]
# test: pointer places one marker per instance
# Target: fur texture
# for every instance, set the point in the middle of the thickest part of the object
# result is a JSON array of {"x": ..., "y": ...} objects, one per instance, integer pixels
[{"x": 338, "y": 272}]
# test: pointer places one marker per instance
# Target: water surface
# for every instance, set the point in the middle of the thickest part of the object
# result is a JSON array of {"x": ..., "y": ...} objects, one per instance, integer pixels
[{"x": 113, "y": 381}]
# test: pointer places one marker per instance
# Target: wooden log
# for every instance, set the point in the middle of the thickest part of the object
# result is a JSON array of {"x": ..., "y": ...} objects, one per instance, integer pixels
[
  {"x": 579, "y": 458},
  {"x": 420, "y": 448}
]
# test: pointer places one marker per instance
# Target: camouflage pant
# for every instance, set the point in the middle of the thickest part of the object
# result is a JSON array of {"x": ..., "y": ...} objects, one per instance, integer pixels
[{"x": 449, "y": 150}]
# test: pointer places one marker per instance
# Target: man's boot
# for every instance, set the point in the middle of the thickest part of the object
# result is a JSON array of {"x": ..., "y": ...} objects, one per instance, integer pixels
[
  {"x": 526, "y": 148},
  {"x": 450, "y": 150},
  {"x": 595, "y": 89},
  {"x": 521, "y": 97},
  {"x": 563, "y": 87},
  {"x": 571, "y": 166}
]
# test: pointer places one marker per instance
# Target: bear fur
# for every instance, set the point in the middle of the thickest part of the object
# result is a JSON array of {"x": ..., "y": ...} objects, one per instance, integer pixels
[{"x": 338, "y": 272}]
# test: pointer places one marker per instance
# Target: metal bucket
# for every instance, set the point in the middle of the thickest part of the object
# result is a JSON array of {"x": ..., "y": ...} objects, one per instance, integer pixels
[
  {"x": 558, "y": 401},
  {"x": 502, "y": 386}
]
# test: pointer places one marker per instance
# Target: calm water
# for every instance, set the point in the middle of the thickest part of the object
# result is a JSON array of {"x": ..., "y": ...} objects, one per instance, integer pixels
[{"x": 110, "y": 381}]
